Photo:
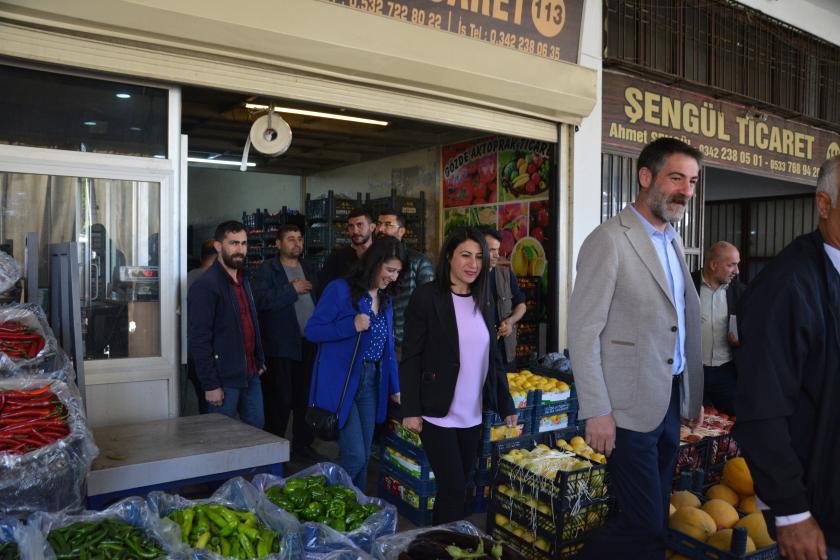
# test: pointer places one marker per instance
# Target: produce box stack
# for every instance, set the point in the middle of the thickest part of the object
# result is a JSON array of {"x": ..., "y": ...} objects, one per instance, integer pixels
[
  {"x": 46, "y": 448},
  {"x": 548, "y": 493},
  {"x": 722, "y": 524},
  {"x": 405, "y": 476},
  {"x": 707, "y": 447}
]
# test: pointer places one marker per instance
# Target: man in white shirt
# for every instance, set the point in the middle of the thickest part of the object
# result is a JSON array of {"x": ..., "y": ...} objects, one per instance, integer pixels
[{"x": 788, "y": 425}]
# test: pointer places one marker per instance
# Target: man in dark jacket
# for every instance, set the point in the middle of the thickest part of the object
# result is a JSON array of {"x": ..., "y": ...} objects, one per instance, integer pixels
[
  {"x": 506, "y": 299},
  {"x": 284, "y": 292},
  {"x": 224, "y": 336},
  {"x": 360, "y": 230},
  {"x": 420, "y": 271},
  {"x": 719, "y": 289},
  {"x": 788, "y": 424}
]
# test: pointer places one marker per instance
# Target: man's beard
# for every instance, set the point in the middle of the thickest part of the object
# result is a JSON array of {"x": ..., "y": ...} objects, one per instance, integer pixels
[
  {"x": 365, "y": 239},
  {"x": 658, "y": 205},
  {"x": 235, "y": 261}
]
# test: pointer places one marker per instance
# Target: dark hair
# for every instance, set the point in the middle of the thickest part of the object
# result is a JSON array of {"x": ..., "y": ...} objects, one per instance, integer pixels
[
  {"x": 359, "y": 212},
  {"x": 288, "y": 228},
  {"x": 364, "y": 271},
  {"x": 208, "y": 249},
  {"x": 653, "y": 155},
  {"x": 455, "y": 238},
  {"x": 391, "y": 212},
  {"x": 492, "y": 232},
  {"x": 231, "y": 226}
]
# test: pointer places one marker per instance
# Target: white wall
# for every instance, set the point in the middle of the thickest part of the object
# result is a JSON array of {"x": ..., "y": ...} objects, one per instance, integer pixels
[
  {"x": 818, "y": 17},
  {"x": 216, "y": 195},
  {"x": 410, "y": 173}
]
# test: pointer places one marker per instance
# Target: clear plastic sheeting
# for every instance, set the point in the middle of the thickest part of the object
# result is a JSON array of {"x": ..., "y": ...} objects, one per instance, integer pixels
[
  {"x": 49, "y": 359},
  {"x": 29, "y": 540},
  {"x": 9, "y": 272},
  {"x": 238, "y": 494},
  {"x": 318, "y": 537},
  {"x": 557, "y": 361},
  {"x": 50, "y": 478},
  {"x": 389, "y": 548},
  {"x": 354, "y": 554},
  {"x": 134, "y": 511}
]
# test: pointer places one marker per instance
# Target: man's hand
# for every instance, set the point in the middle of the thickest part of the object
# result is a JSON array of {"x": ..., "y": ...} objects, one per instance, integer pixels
[
  {"x": 396, "y": 398},
  {"x": 215, "y": 397},
  {"x": 302, "y": 286},
  {"x": 600, "y": 433},
  {"x": 510, "y": 421},
  {"x": 733, "y": 340},
  {"x": 362, "y": 322},
  {"x": 413, "y": 424},
  {"x": 504, "y": 328},
  {"x": 802, "y": 541}
]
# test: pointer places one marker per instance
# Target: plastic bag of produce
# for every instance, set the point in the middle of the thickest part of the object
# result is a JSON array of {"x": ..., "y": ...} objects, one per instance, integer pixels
[
  {"x": 9, "y": 272},
  {"x": 362, "y": 525},
  {"x": 42, "y": 476},
  {"x": 128, "y": 525},
  {"x": 249, "y": 508},
  {"x": 432, "y": 542},
  {"x": 354, "y": 554},
  {"x": 27, "y": 541},
  {"x": 27, "y": 343}
]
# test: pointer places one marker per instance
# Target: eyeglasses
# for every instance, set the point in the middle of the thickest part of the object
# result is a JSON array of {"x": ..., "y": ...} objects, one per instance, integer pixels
[{"x": 387, "y": 225}]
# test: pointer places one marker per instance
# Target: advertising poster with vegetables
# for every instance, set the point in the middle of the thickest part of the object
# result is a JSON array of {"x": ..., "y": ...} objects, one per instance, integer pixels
[{"x": 504, "y": 182}]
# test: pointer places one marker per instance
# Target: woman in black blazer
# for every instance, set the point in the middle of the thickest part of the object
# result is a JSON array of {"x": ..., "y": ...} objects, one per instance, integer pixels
[{"x": 449, "y": 374}]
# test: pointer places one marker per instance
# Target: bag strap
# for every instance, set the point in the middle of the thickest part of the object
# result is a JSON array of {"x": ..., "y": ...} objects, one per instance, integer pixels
[{"x": 346, "y": 380}]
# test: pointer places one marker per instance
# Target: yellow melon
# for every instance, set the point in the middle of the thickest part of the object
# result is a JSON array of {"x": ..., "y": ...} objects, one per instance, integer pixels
[
  {"x": 694, "y": 522},
  {"x": 723, "y": 492},
  {"x": 748, "y": 505},
  {"x": 724, "y": 514},
  {"x": 757, "y": 529},
  {"x": 671, "y": 510},
  {"x": 684, "y": 498},
  {"x": 722, "y": 540},
  {"x": 737, "y": 476}
]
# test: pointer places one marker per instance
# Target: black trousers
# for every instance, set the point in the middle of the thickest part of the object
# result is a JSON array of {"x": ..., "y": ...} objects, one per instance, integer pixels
[
  {"x": 285, "y": 388},
  {"x": 451, "y": 453},
  {"x": 720, "y": 386}
]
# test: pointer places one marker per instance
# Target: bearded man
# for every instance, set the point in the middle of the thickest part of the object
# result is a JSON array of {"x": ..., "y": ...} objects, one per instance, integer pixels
[
  {"x": 634, "y": 341},
  {"x": 224, "y": 335}
]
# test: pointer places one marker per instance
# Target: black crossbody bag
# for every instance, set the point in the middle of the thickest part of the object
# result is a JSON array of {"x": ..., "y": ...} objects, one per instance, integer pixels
[{"x": 323, "y": 422}]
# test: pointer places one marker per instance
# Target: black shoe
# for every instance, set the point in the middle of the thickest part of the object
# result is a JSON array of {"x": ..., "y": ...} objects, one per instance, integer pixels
[{"x": 306, "y": 453}]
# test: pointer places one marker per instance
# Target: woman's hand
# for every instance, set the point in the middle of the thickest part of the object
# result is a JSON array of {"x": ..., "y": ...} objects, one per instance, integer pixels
[
  {"x": 396, "y": 398},
  {"x": 510, "y": 421},
  {"x": 362, "y": 322},
  {"x": 413, "y": 424}
]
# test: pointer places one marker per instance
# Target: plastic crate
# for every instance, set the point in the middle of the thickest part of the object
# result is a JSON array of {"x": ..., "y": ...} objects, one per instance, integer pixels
[
  {"x": 421, "y": 477},
  {"x": 695, "y": 549},
  {"x": 543, "y": 419},
  {"x": 395, "y": 427},
  {"x": 478, "y": 493},
  {"x": 566, "y": 551},
  {"x": 691, "y": 457},
  {"x": 494, "y": 429},
  {"x": 322, "y": 235},
  {"x": 415, "y": 507},
  {"x": 720, "y": 449},
  {"x": 330, "y": 207}
]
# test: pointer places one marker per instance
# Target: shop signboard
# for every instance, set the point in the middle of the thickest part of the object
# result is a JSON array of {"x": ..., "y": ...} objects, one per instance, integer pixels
[
  {"x": 547, "y": 28},
  {"x": 503, "y": 182},
  {"x": 730, "y": 135}
]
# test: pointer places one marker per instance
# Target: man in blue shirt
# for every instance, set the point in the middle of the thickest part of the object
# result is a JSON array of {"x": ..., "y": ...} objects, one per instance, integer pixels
[{"x": 634, "y": 342}]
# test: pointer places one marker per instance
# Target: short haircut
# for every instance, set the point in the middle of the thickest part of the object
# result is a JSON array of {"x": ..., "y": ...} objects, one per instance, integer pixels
[
  {"x": 359, "y": 212},
  {"x": 827, "y": 179},
  {"x": 391, "y": 212},
  {"x": 490, "y": 231},
  {"x": 655, "y": 154},
  {"x": 288, "y": 228},
  {"x": 717, "y": 250},
  {"x": 231, "y": 226},
  {"x": 207, "y": 250}
]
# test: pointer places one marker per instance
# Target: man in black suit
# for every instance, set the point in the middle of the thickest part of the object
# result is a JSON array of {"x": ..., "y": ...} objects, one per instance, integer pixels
[{"x": 719, "y": 290}]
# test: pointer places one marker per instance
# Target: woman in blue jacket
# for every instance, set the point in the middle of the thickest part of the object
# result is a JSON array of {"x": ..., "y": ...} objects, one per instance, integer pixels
[{"x": 352, "y": 325}]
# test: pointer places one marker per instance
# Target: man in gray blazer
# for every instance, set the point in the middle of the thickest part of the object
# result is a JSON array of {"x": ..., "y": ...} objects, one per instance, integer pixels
[{"x": 634, "y": 341}]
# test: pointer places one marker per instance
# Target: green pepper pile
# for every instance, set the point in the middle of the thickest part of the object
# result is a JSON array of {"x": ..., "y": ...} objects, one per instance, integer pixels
[
  {"x": 225, "y": 531},
  {"x": 107, "y": 539},
  {"x": 311, "y": 499},
  {"x": 9, "y": 551}
]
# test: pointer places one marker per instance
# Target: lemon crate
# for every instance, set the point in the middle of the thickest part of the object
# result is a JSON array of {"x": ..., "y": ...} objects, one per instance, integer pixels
[
  {"x": 566, "y": 551},
  {"x": 698, "y": 550},
  {"x": 494, "y": 429},
  {"x": 396, "y": 488},
  {"x": 409, "y": 459},
  {"x": 568, "y": 489},
  {"x": 554, "y": 416}
]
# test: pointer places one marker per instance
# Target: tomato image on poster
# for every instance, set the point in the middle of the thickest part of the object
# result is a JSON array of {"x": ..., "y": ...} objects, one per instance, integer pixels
[{"x": 472, "y": 182}]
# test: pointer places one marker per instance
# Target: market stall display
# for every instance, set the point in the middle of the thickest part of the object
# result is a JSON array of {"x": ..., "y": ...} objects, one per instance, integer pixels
[
  {"x": 460, "y": 539},
  {"x": 53, "y": 448},
  {"x": 335, "y": 514},
  {"x": 706, "y": 447},
  {"x": 28, "y": 346},
  {"x": 225, "y": 531},
  {"x": 17, "y": 541}
]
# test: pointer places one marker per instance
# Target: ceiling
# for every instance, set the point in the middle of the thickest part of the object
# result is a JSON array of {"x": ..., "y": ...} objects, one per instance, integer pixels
[{"x": 218, "y": 123}]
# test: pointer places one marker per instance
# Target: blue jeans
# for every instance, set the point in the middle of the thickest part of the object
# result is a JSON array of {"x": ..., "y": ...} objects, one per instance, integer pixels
[
  {"x": 833, "y": 553},
  {"x": 356, "y": 437},
  {"x": 247, "y": 401}
]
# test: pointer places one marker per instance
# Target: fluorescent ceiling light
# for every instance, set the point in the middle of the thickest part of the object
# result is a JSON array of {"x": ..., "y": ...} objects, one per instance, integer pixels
[
  {"x": 135, "y": 129},
  {"x": 124, "y": 95},
  {"x": 89, "y": 123},
  {"x": 318, "y": 114},
  {"x": 218, "y": 161}
]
